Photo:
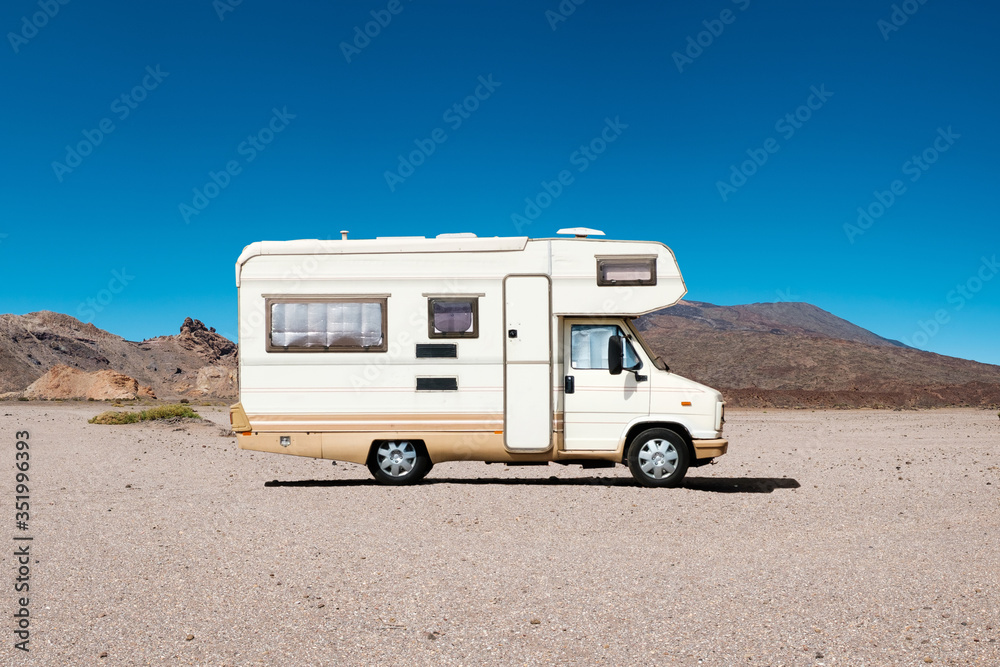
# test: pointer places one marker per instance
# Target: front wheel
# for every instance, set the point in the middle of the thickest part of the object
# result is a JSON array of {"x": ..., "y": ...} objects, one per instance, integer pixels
[
  {"x": 398, "y": 462},
  {"x": 658, "y": 457}
]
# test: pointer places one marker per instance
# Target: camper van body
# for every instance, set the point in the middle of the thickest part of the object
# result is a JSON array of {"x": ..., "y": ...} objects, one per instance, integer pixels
[{"x": 400, "y": 353}]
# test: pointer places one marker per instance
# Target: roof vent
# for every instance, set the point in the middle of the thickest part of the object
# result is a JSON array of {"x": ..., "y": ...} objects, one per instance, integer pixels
[
  {"x": 581, "y": 232},
  {"x": 343, "y": 234},
  {"x": 457, "y": 235}
]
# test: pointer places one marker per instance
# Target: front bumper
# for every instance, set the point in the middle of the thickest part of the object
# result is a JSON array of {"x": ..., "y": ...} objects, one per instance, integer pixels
[{"x": 707, "y": 449}]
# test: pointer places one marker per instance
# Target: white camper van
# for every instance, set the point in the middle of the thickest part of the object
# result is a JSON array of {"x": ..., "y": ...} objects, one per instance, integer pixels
[{"x": 400, "y": 353}]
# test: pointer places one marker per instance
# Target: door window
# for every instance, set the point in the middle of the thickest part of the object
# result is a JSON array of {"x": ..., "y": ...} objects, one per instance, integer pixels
[{"x": 589, "y": 346}]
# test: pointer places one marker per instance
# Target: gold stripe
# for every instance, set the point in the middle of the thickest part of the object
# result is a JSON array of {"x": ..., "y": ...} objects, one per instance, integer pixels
[
  {"x": 376, "y": 422},
  {"x": 351, "y": 390}
]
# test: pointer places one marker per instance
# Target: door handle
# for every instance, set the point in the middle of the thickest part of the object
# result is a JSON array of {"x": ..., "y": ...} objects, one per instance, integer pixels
[{"x": 569, "y": 384}]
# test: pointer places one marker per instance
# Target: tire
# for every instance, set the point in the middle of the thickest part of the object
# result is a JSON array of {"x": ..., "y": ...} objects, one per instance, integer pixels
[
  {"x": 398, "y": 462},
  {"x": 658, "y": 457}
]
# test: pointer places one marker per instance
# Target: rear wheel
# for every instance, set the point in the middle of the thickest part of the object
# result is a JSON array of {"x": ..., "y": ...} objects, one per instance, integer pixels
[
  {"x": 398, "y": 461},
  {"x": 658, "y": 457}
]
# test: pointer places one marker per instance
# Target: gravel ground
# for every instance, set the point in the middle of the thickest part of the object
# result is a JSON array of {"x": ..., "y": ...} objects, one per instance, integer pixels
[{"x": 822, "y": 538}]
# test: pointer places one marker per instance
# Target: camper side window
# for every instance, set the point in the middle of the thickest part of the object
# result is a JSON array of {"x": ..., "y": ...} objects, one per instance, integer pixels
[
  {"x": 453, "y": 317},
  {"x": 626, "y": 271},
  {"x": 326, "y": 325}
]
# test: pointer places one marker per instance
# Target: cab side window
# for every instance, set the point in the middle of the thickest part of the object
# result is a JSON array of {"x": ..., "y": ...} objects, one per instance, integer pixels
[{"x": 589, "y": 346}]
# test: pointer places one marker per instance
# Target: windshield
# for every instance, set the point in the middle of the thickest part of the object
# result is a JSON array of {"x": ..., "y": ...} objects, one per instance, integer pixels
[{"x": 657, "y": 361}]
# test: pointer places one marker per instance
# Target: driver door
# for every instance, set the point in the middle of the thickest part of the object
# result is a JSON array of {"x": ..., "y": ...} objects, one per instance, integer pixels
[{"x": 598, "y": 405}]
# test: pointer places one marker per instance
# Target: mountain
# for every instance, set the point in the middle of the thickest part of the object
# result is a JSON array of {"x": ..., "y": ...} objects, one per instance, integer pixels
[
  {"x": 761, "y": 354},
  {"x": 196, "y": 362},
  {"x": 795, "y": 354},
  {"x": 775, "y": 318}
]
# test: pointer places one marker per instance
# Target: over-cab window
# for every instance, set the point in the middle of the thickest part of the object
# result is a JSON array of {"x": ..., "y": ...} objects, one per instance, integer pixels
[
  {"x": 626, "y": 271},
  {"x": 326, "y": 324},
  {"x": 589, "y": 343},
  {"x": 453, "y": 317}
]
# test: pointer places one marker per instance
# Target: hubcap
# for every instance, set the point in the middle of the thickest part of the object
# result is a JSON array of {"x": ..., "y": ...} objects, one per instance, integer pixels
[
  {"x": 396, "y": 459},
  {"x": 658, "y": 458}
]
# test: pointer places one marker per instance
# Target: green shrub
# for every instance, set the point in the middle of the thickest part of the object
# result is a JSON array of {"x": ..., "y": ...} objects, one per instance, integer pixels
[
  {"x": 159, "y": 412},
  {"x": 168, "y": 411},
  {"x": 112, "y": 417}
]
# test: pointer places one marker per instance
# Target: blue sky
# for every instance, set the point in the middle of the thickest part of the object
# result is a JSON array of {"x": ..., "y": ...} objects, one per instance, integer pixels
[{"x": 744, "y": 134}]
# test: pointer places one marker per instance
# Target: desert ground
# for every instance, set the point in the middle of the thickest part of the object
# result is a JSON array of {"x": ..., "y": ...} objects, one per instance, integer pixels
[{"x": 823, "y": 538}]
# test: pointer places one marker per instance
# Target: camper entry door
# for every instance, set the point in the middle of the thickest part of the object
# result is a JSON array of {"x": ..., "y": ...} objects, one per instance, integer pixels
[{"x": 527, "y": 363}]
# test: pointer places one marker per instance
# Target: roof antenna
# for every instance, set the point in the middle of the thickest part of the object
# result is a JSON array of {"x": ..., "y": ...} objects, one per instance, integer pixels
[{"x": 343, "y": 234}]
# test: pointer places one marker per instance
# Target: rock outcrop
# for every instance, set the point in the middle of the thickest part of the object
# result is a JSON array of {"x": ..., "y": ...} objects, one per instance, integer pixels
[
  {"x": 63, "y": 382},
  {"x": 202, "y": 340}
]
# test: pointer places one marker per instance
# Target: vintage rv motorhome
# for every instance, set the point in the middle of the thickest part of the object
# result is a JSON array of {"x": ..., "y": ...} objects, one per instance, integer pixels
[{"x": 400, "y": 353}]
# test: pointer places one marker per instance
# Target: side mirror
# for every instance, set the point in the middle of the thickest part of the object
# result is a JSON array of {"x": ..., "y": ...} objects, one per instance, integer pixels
[{"x": 615, "y": 355}]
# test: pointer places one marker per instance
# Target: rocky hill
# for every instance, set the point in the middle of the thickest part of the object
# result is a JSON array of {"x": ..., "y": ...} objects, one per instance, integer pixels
[
  {"x": 197, "y": 362},
  {"x": 762, "y": 354},
  {"x": 795, "y": 354}
]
